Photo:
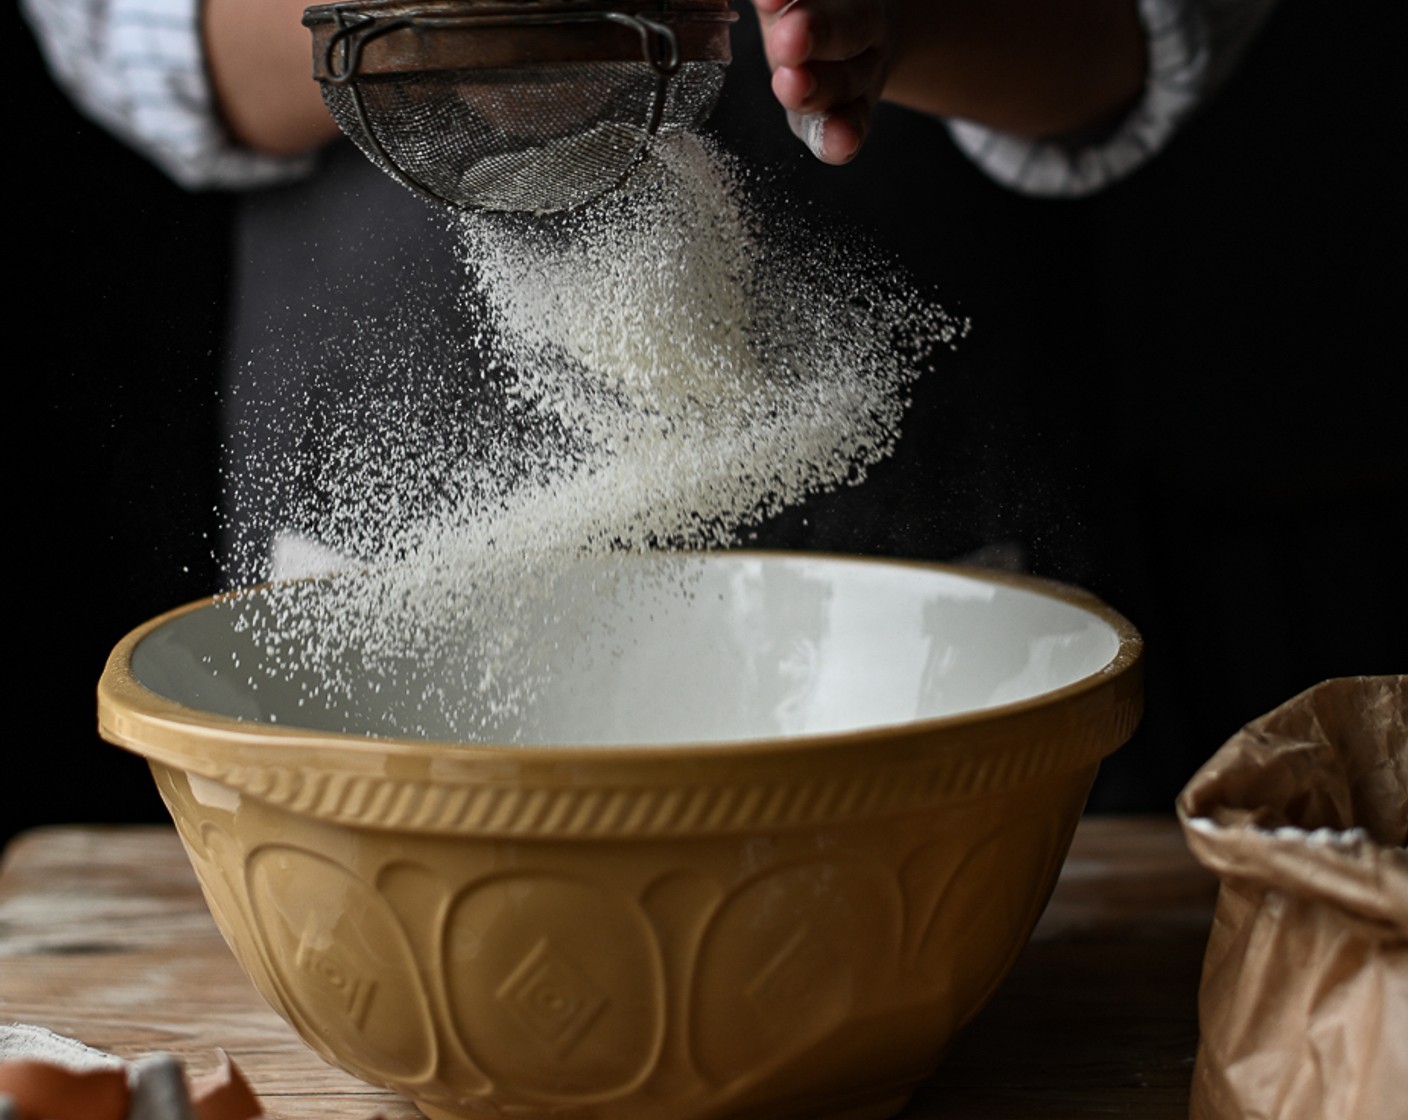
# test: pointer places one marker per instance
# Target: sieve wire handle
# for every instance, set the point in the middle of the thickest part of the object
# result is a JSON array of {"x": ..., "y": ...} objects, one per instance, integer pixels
[
  {"x": 658, "y": 43},
  {"x": 354, "y": 32}
]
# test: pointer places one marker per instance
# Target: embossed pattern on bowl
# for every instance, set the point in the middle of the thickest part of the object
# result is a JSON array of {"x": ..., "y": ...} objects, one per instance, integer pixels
[{"x": 782, "y": 910}]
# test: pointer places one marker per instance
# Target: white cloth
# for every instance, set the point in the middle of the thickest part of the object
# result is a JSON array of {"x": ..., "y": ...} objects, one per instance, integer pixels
[
  {"x": 21, "y": 1040},
  {"x": 136, "y": 66}
]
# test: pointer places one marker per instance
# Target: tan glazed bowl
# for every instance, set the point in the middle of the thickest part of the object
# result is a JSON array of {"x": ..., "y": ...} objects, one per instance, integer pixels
[{"x": 762, "y": 846}]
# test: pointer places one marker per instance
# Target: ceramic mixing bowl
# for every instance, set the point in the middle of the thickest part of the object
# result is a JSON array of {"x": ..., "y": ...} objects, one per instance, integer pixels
[{"x": 761, "y": 843}]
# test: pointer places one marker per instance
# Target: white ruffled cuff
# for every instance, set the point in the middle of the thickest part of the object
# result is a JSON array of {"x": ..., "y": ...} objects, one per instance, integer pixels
[{"x": 1193, "y": 46}]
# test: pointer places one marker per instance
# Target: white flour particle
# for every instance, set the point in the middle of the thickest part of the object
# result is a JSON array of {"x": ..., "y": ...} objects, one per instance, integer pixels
[{"x": 674, "y": 365}]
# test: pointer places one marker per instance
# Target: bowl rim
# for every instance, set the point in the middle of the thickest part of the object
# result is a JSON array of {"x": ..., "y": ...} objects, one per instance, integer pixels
[{"x": 440, "y": 786}]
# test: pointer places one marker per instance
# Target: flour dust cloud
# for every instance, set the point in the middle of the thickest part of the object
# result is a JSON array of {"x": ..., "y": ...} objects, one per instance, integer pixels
[{"x": 660, "y": 370}]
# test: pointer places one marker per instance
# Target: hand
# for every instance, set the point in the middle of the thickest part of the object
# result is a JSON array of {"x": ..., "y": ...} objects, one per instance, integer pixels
[
  {"x": 257, "y": 54},
  {"x": 830, "y": 60}
]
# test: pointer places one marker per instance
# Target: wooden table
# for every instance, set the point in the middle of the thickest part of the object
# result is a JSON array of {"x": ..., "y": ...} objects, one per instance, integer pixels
[{"x": 104, "y": 937}]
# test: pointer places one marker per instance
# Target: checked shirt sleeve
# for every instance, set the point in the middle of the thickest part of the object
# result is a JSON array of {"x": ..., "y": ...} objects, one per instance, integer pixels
[{"x": 137, "y": 68}]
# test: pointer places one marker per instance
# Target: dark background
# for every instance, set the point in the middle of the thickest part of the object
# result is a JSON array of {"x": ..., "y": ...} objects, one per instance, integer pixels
[{"x": 1203, "y": 361}]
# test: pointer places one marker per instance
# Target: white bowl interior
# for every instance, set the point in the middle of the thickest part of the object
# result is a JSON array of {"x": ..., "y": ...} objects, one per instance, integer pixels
[{"x": 728, "y": 647}]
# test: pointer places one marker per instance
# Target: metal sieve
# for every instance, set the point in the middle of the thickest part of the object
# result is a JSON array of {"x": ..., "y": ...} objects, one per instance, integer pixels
[{"x": 534, "y": 105}]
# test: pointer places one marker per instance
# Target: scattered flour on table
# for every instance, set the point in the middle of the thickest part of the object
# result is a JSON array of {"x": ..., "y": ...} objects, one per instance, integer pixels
[{"x": 672, "y": 364}]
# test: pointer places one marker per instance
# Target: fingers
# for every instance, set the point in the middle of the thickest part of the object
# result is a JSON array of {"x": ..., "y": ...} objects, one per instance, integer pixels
[
  {"x": 829, "y": 60},
  {"x": 820, "y": 86},
  {"x": 835, "y": 136},
  {"x": 809, "y": 31}
]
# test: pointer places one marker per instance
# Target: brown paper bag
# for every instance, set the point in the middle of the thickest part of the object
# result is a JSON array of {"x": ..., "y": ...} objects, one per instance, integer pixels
[{"x": 1303, "y": 815}]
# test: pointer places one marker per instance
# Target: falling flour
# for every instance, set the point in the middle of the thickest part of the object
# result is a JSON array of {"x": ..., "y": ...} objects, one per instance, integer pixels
[{"x": 670, "y": 366}]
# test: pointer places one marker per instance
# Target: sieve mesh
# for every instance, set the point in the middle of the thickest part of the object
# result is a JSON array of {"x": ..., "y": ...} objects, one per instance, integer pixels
[
  {"x": 441, "y": 112},
  {"x": 546, "y": 138}
]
